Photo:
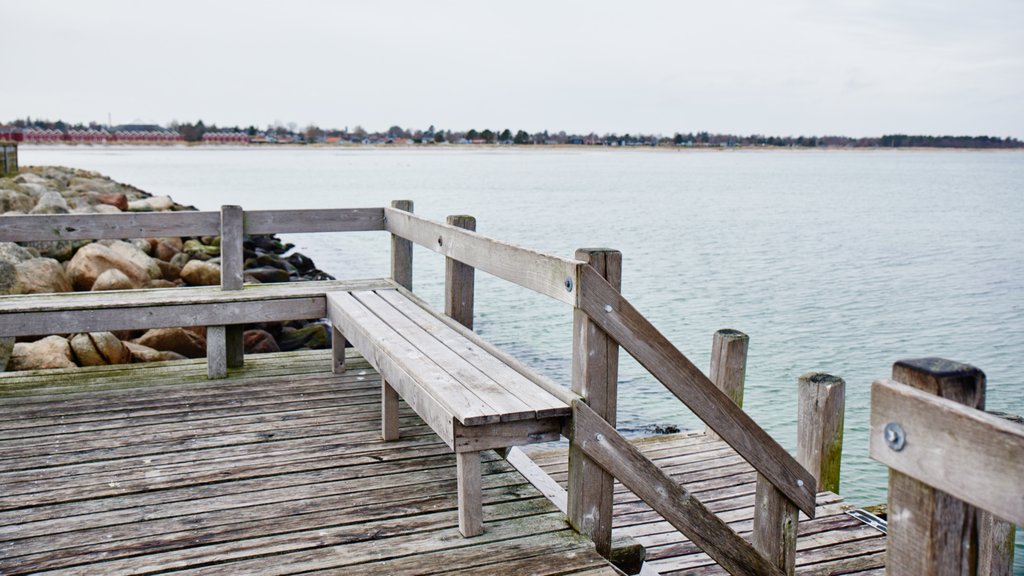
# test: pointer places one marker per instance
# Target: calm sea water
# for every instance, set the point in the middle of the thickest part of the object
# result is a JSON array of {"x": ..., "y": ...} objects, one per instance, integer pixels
[{"x": 834, "y": 261}]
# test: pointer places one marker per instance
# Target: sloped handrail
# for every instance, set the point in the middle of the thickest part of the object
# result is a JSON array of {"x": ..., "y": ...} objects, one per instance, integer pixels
[{"x": 607, "y": 308}]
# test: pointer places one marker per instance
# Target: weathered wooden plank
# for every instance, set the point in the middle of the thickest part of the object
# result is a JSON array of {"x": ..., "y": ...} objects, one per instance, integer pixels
[
  {"x": 470, "y": 380},
  {"x": 930, "y": 532},
  {"x": 99, "y": 226},
  {"x": 543, "y": 273},
  {"x": 459, "y": 280},
  {"x": 612, "y": 452},
  {"x": 197, "y": 306},
  {"x": 390, "y": 353},
  {"x": 401, "y": 249},
  {"x": 595, "y": 374},
  {"x": 519, "y": 380},
  {"x": 316, "y": 220},
  {"x": 728, "y": 366},
  {"x": 540, "y": 479},
  {"x": 616, "y": 316},
  {"x": 982, "y": 456},
  {"x": 820, "y": 412},
  {"x": 506, "y": 434}
]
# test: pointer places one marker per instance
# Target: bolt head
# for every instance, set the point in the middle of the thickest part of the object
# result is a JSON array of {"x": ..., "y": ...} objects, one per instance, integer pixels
[{"x": 895, "y": 437}]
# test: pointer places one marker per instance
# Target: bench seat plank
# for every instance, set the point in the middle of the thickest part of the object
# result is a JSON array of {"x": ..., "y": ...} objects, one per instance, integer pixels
[
  {"x": 63, "y": 313},
  {"x": 386, "y": 350},
  {"x": 471, "y": 379},
  {"x": 543, "y": 402}
]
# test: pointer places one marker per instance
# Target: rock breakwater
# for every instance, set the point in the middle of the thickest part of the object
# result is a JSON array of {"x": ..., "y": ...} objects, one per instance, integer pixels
[{"x": 131, "y": 263}]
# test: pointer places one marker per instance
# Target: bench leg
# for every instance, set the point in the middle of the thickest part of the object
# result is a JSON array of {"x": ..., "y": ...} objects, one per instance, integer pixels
[
  {"x": 471, "y": 511},
  {"x": 216, "y": 352},
  {"x": 388, "y": 412},
  {"x": 338, "y": 351}
]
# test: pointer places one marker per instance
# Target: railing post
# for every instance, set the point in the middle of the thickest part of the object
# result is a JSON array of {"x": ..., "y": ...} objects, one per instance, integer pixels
[
  {"x": 775, "y": 525},
  {"x": 728, "y": 366},
  {"x": 821, "y": 406},
  {"x": 401, "y": 251},
  {"x": 459, "y": 280},
  {"x": 224, "y": 346},
  {"x": 930, "y": 532},
  {"x": 595, "y": 365}
]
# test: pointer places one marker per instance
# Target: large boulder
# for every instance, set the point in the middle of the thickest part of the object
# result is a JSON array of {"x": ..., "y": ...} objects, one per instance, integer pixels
[
  {"x": 50, "y": 352},
  {"x": 188, "y": 344},
  {"x": 99, "y": 349},
  {"x": 313, "y": 335},
  {"x": 93, "y": 259},
  {"x": 199, "y": 273},
  {"x": 142, "y": 353},
  {"x": 166, "y": 248},
  {"x": 151, "y": 204},
  {"x": 258, "y": 342},
  {"x": 51, "y": 203},
  {"x": 57, "y": 249},
  {"x": 14, "y": 201},
  {"x": 112, "y": 279},
  {"x": 13, "y": 253},
  {"x": 41, "y": 276},
  {"x": 134, "y": 251}
]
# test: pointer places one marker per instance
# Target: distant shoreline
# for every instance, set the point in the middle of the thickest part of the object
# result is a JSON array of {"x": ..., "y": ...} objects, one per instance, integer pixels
[{"x": 503, "y": 147}]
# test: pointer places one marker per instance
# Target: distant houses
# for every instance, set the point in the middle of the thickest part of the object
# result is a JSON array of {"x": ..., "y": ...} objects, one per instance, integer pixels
[{"x": 127, "y": 134}]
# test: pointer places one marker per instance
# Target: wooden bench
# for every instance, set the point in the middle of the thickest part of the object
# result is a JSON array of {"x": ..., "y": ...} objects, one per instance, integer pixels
[
  {"x": 472, "y": 395},
  {"x": 70, "y": 312}
]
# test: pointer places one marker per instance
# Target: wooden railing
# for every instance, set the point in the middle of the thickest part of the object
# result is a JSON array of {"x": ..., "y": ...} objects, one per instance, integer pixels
[
  {"x": 956, "y": 473},
  {"x": 603, "y": 321}
]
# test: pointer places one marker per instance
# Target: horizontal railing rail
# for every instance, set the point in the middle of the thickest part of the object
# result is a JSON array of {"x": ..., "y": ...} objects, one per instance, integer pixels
[
  {"x": 43, "y": 227},
  {"x": 910, "y": 427},
  {"x": 543, "y": 273}
]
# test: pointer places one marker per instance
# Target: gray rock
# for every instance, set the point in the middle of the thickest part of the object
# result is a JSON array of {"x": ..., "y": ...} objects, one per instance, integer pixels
[
  {"x": 8, "y": 277},
  {"x": 112, "y": 279},
  {"x": 41, "y": 276},
  {"x": 180, "y": 259},
  {"x": 29, "y": 178},
  {"x": 14, "y": 201},
  {"x": 134, "y": 253},
  {"x": 50, "y": 352},
  {"x": 60, "y": 250},
  {"x": 34, "y": 190},
  {"x": 12, "y": 253},
  {"x": 51, "y": 203}
]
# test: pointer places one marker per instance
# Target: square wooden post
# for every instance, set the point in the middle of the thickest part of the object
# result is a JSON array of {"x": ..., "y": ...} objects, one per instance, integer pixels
[
  {"x": 595, "y": 372},
  {"x": 819, "y": 431},
  {"x": 224, "y": 346},
  {"x": 401, "y": 251},
  {"x": 931, "y": 532},
  {"x": 728, "y": 366},
  {"x": 459, "y": 280}
]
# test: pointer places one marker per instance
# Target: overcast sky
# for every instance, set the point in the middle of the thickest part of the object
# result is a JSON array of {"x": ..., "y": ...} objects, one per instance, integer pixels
[{"x": 784, "y": 67}]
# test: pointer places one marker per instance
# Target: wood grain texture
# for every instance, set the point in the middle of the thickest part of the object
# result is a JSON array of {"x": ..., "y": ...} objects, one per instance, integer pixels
[
  {"x": 595, "y": 367},
  {"x": 982, "y": 455},
  {"x": 471, "y": 514},
  {"x": 100, "y": 226},
  {"x": 401, "y": 248},
  {"x": 634, "y": 333},
  {"x": 338, "y": 342},
  {"x": 729, "y": 365},
  {"x": 388, "y": 412},
  {"x": 316, "y": 220},
  {"x": 615, "y": 454},
  {"x": 542, "y": 273},
  {"x": 216, "y": 352},
  {"x": 930, "y": 531},
  {"x": 459, "y": 280},
  {"x": 231, "y": 265},
  {"x": 821, "y": 406},
  {"x": 775, "y": 526},
  {"x": 159, "y": 308}
]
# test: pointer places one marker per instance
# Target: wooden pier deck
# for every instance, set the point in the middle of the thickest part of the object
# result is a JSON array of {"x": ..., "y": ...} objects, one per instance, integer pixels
[
  {"x": 832, "y": 543},
  {"x": 278, "y": 469}
]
